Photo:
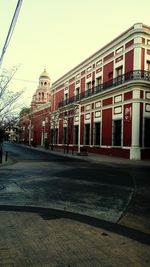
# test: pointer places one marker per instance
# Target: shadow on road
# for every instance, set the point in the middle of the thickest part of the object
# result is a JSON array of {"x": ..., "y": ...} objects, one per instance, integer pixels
[{"x": 50, "y": 214}]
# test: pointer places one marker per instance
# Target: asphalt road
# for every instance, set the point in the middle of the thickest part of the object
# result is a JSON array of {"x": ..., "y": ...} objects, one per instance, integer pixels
[{"x": 43, "y": 179}]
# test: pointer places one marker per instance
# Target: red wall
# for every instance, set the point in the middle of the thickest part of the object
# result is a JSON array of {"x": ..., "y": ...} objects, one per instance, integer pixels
[
  {"x": 59, "y": 96},
  {"x": 37, "y": 131},
  {"x": 128, "y": 44},
  {"x": 108, "y": 56},
  {"x": 71, "y": 90},
  {"x": 128, "y": 95},
  {"x": 107, "y": 127},
  {"x": 129, "y": 61},
  {"x": 83, "y": 85},
  {"x": 142, "y": 58},
  {"x": 107, "y": 101},
  {"x": 108, "y": 68},
  {"x": 36, "y": 120}
]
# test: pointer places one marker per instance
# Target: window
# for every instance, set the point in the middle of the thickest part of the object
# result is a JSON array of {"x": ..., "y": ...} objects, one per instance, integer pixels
[
  {"x": 76, "y": 129},
  {"x": 56, "y": 136},
  {"x": 87, "y": 134},
  {"x": 120, "y": 49},
  {"x": 98, "y": 81},
  {"x": 97, "y": 133},
  {"x": 89, "y": 68},
  {"x": 147, "y": 72},
  {"x": 51, "y": 136},
  {"x": 93, "y": 83},
  {"x": 148, "y": 66},
  {"x": 117, "y": 132},
  {"x": 147, "y": 132},
  {"x": 119, "y": 71},
  {"x": 88, "y": 85},
  {"x": 78, "y": 76},
  {"x": 66, "y": 98},
  {"x": 77, "y": 91},
  {"x": 99, "y": 62},
  {"x": 65, "y": 135}
]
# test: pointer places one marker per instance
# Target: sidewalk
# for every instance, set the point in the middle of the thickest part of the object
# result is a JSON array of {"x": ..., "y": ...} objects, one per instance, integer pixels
[
  {"x": 96, "y": 158},
  {"x": 91, "y": 157},
  {"x": 33, "y": 239}
]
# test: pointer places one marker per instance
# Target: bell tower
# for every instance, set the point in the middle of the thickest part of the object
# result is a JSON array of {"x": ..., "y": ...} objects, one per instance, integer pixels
[{"x": 42, "y": 94}]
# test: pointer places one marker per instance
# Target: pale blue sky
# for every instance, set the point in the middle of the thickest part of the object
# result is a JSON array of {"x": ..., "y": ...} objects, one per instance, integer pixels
[{"x": 60, "y": 34}]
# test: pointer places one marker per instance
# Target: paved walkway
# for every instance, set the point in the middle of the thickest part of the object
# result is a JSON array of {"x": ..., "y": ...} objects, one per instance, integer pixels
[
  {"x": 32, "y": 239},
  {"x": 36, "y": 239}
]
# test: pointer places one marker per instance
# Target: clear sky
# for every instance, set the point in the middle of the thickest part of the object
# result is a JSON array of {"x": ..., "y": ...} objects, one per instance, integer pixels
[{"x": 60, "y": 34}]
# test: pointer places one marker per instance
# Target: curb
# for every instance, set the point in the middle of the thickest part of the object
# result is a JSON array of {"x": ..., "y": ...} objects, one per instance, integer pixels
[{"x": 48, "y": 213}]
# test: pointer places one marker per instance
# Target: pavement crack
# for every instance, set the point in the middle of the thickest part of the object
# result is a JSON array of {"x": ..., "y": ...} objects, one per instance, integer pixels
[
  {"x": 20, "y": 186},
  {"x": 2, "y": 187}
]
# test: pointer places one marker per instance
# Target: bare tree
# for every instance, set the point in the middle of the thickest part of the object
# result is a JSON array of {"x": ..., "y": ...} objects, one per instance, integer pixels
[{"x": 8, "y": 99}]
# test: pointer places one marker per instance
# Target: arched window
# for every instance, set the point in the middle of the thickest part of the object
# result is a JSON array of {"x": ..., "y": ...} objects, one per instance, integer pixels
[{"x": 42, "y": 96}]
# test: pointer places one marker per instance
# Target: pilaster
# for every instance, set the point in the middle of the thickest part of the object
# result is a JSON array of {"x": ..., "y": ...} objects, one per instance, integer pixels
[{"x": 135, "y": 151}]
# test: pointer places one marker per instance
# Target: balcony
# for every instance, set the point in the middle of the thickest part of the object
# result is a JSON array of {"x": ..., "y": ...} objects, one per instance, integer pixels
[{"x": 129, "y": 76}]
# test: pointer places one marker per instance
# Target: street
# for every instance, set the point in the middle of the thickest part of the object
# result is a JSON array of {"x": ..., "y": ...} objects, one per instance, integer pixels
[
  {"x": 40, "y": 178},
  {"x": 62, "y": 211}
]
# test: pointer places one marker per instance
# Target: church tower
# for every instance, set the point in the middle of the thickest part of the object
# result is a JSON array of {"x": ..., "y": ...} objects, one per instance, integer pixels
[{"x": 42, "y": 94}]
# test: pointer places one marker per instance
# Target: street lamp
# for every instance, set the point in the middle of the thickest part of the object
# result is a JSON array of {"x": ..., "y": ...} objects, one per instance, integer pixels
[
  {"x": 29, "y": 132},
  {"x": 54, "y": 125},
  {"x": 43, "y": 133}
]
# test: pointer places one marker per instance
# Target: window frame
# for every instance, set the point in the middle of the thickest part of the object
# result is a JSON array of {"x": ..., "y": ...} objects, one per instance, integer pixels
[{"x": 117, "y": 136}]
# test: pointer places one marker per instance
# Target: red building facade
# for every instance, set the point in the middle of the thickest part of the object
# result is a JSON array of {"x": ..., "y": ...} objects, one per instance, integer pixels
[
  {"x": 34, "y": 125},
  {"x": 103, "y": 104}
]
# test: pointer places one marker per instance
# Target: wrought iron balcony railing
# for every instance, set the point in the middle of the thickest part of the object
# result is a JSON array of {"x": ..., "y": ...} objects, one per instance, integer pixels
[{"x": 129, "y": 76}]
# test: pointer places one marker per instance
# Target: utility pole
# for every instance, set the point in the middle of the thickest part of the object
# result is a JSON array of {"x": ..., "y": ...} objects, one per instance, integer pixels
[{"x": 11, "y": 29}]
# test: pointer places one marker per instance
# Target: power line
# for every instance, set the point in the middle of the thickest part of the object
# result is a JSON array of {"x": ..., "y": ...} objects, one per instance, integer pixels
[
  {"x": 23, "y": 80},
  {"x": 11, "y": 29}
]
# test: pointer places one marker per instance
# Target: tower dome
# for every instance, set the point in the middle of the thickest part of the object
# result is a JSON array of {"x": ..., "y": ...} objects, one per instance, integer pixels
[{"x": 44, "y": 75}]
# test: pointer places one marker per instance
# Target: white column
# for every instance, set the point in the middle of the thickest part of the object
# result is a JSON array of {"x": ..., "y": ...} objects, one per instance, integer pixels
[
  {"x": 137, "y": 54},
  {"x": 43, "y": 133},
  {"x": 135, "y": 151},
  {"x": 79, "y": 129}
]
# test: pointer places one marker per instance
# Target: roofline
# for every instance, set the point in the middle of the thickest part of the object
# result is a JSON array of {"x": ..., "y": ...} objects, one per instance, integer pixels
[{"x": 101, "y": 49}]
